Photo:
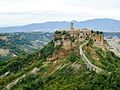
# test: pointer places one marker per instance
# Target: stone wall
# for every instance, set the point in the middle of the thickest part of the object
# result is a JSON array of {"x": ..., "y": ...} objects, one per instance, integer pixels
[
  {"x": 67, "y": 44},
  {"x": 67, "y": 38}
]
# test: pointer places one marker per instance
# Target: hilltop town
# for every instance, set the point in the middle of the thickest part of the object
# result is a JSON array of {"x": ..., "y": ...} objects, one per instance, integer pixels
[
  {"x": 74, "y": 59},
  {"x": 72, "y": 37}
]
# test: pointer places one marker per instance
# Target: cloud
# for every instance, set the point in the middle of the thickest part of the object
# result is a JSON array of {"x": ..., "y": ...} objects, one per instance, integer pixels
[
  {"x": 30, "y": 11},
  {"x": 99, "y": 4}
]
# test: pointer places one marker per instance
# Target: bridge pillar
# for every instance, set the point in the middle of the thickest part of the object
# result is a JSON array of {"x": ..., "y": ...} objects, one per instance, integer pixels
[
  {"x": 93, "y": 69},
  {"x": 90, "y": 68},
  {"x": 85, "y": 62},
  {"x": 87, "y": 66},
  {"x": 97, "y": 71}
]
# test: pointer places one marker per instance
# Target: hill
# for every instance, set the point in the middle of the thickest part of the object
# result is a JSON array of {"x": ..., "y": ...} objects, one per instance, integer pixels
[
  {"x": 105, "y": 24},
  {"x": 17, "y": 44},
  {"x": 57, "y": 68}
]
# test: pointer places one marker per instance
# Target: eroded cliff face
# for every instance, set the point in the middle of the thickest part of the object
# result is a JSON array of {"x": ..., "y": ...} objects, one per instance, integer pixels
[{"x": 74, "y": 37}]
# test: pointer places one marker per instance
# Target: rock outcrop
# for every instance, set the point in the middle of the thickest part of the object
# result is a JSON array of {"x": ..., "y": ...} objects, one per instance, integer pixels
[{"x": 72, "y": 37}]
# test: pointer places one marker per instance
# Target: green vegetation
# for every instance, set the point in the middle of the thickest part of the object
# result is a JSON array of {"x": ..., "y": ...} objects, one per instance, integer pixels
[
  {"x": 73, "y": 57},
  {"x": 56, "y": 39},
  {"x": 21, "y": 43},
  {"x": 68, "y": 73},
  {"x": 47, "y": 50},
  {"x": 64, "y": 32},
  {"x": 72, "y": 39},
  {"x": 106, "y": 60},
  {"x": 98, "y": 32},
  {"x": 61, "y": 32},
  {"x": 109, "y": 60},
  {"x": 57, "y": 32},
  {"x": 19, "y": 66},
  {"x": 70, "y": 79}
]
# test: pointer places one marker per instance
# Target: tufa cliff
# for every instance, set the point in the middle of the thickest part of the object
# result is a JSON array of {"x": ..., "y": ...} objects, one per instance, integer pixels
[{"x": 72, "y": 37}]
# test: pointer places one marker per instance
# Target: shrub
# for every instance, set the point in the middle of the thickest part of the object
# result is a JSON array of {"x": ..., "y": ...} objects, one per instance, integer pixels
[
  {"x": 57, "y": 32},
  {"x": 64, "y": 32},
  {"x": 72, "y": 57},
  {"x": 47, "y": 50},
  {"x": 55, "y": 39}
]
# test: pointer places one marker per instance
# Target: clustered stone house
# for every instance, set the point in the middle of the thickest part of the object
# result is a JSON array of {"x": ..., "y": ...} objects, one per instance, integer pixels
[{"x": 69, "y": 38}]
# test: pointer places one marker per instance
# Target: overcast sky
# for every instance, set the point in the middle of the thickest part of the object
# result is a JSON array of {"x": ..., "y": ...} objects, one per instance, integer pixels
[{"x": 20, "y": 12}]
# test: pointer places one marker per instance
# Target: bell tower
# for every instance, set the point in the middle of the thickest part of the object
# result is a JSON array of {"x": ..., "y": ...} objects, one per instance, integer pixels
[{"x": 71, "y": 26}]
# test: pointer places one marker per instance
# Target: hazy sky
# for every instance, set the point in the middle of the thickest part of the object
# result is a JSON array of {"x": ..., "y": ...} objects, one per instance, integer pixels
[{"x": 19, "y": 12}]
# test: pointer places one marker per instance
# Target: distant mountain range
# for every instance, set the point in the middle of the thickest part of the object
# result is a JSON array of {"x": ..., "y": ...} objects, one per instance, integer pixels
[{"x": 105, "y": 24}]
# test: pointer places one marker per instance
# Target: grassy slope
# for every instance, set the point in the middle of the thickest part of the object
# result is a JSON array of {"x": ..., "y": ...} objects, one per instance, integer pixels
[
  {"x": 106, "y": 60},
  {"x": 21, "y": 44},
  {"x": 67, "y": 73}
]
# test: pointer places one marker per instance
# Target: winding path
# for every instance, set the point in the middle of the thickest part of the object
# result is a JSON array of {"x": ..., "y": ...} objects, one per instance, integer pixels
[
  {"x": 10, "y": 85},
  {"x": 90, "y": 66},
  {"x": 5, "y": 74}
]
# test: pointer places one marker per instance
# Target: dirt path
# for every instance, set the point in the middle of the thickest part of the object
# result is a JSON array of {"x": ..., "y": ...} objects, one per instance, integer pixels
[
  {"x": 10, "y": 85},
  {"x": 5, "y": 74}
]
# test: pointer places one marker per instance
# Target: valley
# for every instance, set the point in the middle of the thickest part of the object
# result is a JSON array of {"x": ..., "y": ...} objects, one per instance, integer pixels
[
  {"x": 59, "y": 44},
  {"x": 73, "y": 59},
  {"x": 113, "y": 40},
  {"x": 18, "y": 44}
]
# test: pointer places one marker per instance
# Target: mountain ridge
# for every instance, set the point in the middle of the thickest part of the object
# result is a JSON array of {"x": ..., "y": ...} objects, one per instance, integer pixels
[{"x": 101, "y": 24}]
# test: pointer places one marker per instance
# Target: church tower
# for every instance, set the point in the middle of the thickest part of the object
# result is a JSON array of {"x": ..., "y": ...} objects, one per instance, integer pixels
[{"x": 71, "y": 26}]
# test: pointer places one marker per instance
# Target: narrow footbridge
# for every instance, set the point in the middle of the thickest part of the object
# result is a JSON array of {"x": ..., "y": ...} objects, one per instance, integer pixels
[{"x": 89, "y": 65}]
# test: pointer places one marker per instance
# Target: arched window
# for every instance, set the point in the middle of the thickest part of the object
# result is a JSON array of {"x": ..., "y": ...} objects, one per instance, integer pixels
[{"x": 100, "y": 39}]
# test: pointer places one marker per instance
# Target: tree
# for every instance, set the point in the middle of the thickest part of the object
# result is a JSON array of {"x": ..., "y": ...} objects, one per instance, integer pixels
[
  {"x": 92, "y": 31},
  {"x": 47, "y": 50},
  {"x": 73, "y": 57},
  {"x": 64, "y": 32},
  {"x": 57, "y": 32},
  {"x": 97, "y": 32}
]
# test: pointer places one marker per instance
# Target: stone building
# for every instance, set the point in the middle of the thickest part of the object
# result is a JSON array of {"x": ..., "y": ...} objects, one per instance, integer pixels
[
  {"x": 67, "y": 44},
  {"x": 70, "y": 38}
]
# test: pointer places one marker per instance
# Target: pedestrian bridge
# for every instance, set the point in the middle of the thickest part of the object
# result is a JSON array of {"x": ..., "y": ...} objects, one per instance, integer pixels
[{"x": 89, "y": 65}]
